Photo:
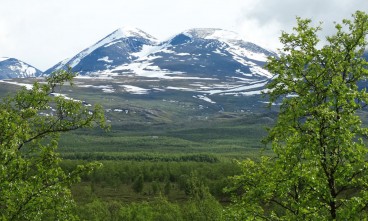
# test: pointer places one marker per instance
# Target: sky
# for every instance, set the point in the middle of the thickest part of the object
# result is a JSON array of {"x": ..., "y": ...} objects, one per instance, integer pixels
[{"x": 44, "y": 32}]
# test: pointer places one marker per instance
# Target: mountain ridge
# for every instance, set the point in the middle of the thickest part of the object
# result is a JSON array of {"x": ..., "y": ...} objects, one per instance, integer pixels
[
  {"x": 202, "y": 61},
  {"x": 140, "y": 47}
]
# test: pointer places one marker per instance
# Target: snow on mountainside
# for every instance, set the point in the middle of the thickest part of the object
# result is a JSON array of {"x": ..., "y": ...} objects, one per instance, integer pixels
[
  {"x": 14, "y": 68},
  {"x": 204, "y": 55},
  {"x": 113, "y": 50},
  {"x": 213, "y": 52},
  {"x": 207, "y": 61},
  {"x": 237, "y": 45}
]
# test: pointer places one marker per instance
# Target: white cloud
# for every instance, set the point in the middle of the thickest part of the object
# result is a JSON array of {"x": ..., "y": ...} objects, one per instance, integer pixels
[
  {"x": 6, "y": 42},
  {"x": 263, "y": 21}
]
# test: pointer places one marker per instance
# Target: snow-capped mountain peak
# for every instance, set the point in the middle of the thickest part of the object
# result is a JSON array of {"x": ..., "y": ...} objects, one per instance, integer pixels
[
  {"x": 115, "y": 49},
  {"x": 234, "y": 43},
  {"x": 14, "y": 68},
  {"x": 108, "y": 41},
  {"x": 127, "y": 31},
  {"x": 200, "y": 53}
]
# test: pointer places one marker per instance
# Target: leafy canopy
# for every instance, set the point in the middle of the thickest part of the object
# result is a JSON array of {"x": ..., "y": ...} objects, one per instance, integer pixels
[
  {"x": 319, "y": 171},
  {"x": 32, "y": 184}
]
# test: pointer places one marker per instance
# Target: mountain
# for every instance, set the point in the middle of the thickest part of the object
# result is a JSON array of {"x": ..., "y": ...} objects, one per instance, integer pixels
[
  {"x": 195, "y": 73},
  {"x": 209, "y": 61},
  {"x": 213, "y": 53},
  {"x": 14, "y": 68},
  {"x": 113, "y": 50}
]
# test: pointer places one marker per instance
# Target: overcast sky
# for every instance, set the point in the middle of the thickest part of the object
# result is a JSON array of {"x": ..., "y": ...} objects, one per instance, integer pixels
[{"x": 43, "y": 32}]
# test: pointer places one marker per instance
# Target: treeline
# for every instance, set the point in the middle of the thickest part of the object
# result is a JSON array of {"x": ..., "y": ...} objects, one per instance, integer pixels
[{"x": 142, "y": 157}]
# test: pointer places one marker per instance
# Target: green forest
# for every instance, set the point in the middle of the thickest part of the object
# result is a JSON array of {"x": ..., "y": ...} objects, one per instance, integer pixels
[{"x": 306, "y": 160}]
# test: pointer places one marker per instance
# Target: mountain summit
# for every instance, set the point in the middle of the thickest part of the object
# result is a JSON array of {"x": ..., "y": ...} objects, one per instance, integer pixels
[
  {"x": 14, "y": 68},
  {"x": 113, "y": 50},
  {"x": 213, "y": 53}
]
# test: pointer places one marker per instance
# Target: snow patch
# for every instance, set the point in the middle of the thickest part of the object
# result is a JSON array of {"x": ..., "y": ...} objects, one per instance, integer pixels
[
  {"x": 219, "y": 52},
  {"x": 292, "y": 95},
  {"x": 182, "y": 54},
  {"x": 247, "y": 93},
  {"x": 105, "y": 88},
  {"x": 108, "y": 90},
  {"x": 260, "y": 71},
  {"x": 240, "y": 89},
  {"x": 64, "y": 96},
  {"x": 267, "y": 102},
  {"x": 223, "y": 35},
  {"x": 144, "y": 69},
  {"x": 95, "y": 77},
  {"x": 134, "y": 89},
  {"x": 179, "y": 88},
  {"x": 111, "y": 43},
  {"x": 105, "y": 59},
  {"x": 202, "y": 97},
  {"x": 27, "y": 86},
  {"x": 147, "y": 50}
]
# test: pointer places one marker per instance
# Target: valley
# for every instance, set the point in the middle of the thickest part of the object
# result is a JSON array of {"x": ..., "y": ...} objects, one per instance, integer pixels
[
  {"x": 168, "y": 136},
  {"x": 189, "y": 117}
]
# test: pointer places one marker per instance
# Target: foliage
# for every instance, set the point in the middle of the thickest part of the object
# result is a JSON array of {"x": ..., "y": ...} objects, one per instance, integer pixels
[
  {"x": 202, "y": 205},
  {"x": 138, "y": 184},
  {"x": 169, "y": 178},
  {"x": 95, "y": 211},
  {"x": 167, "y": 188},
  {"x": 32, "y": 184},
  {"x": 158, "y": 209},
  {"x": 142, "y": 157},
  {"x": 320, "y": 169}
]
